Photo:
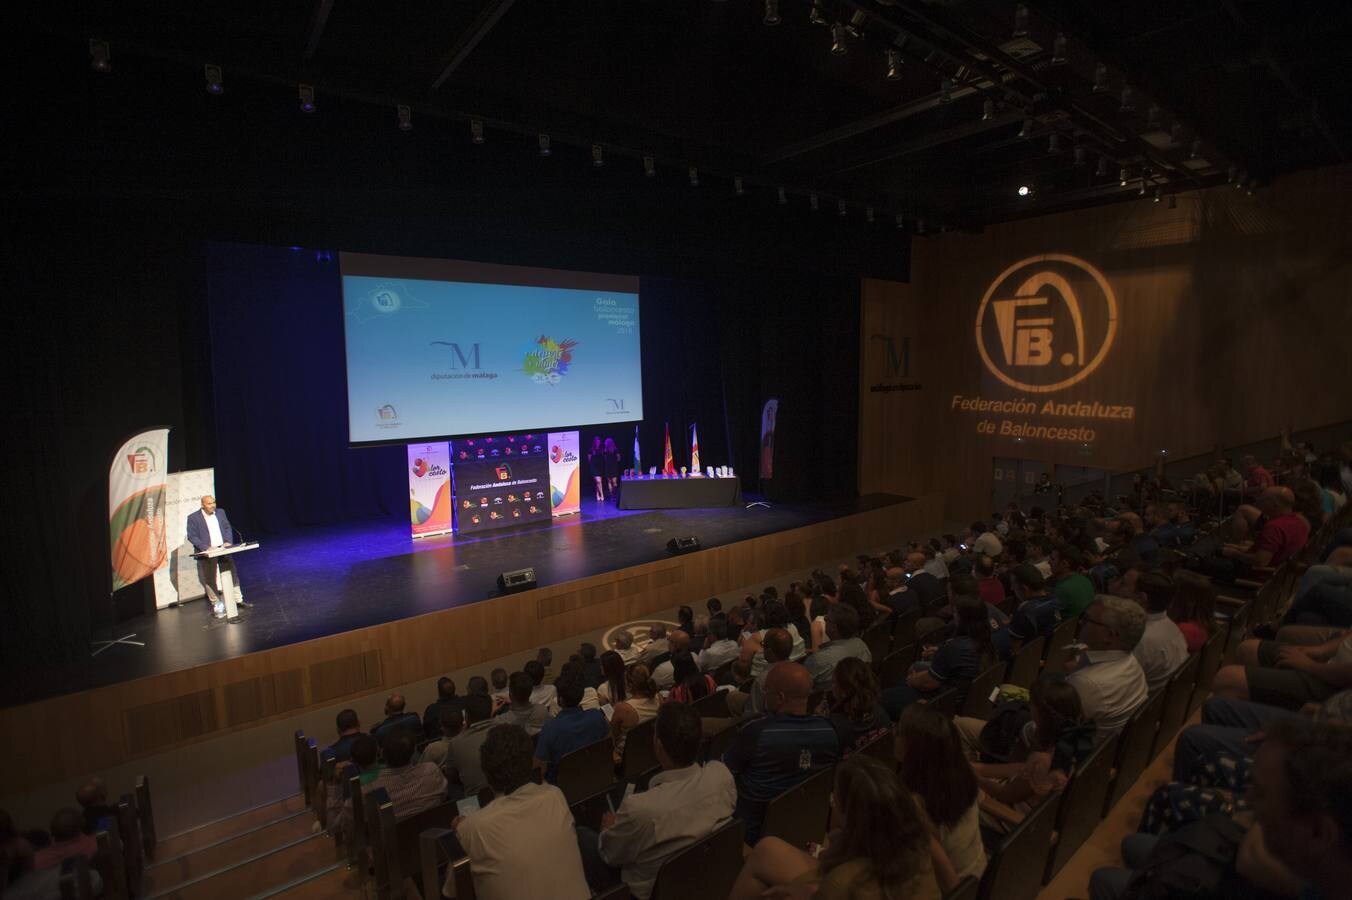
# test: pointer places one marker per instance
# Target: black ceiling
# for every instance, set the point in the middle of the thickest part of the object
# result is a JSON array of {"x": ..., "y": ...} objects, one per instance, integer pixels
[{"x": 705, "y": 83}]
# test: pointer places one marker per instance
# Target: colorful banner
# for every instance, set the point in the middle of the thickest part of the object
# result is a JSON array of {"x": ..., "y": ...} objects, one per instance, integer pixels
[
  {"x": 767, "y": 442},
  {"x": 694, "y": 450},
  {"x": 429, "y": 488},
  {"x": 136, "y": 495},
  {"x": 176, "y": 581},
  {"x": 565, "y": 494}
]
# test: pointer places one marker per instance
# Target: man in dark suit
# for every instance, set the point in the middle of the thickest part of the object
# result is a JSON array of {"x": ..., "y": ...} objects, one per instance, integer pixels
[{"x": 209, "y": 527}]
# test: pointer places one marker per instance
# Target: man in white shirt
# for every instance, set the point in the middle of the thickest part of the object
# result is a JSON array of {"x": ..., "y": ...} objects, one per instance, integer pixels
[
  {"x": 1109, "y": 680},
  {"x": 657, "y": 647},
  {"x": 523, "y": 843},
  {"x": 683, "y": 803},
  {"x": 541, "y": 694},
  {"x": 984, "y": 542},
  {"x": 721, "y": 648},
  {"x": 665, "y": 673},
  {"x": 1162, "y": 649},
  {"x": 206, "y": 528}
]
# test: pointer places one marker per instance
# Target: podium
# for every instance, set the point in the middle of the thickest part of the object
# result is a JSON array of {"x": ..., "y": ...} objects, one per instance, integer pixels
[{"x": 226, "y": 578}]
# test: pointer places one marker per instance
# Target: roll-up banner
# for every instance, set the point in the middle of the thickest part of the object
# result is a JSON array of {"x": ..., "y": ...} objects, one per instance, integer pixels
[
  {"x": 565, "y": 494},
  {"x": 767, "y": 442},
  {"x": 136, "y": 497},
  {"x": 429, "y": 489}
]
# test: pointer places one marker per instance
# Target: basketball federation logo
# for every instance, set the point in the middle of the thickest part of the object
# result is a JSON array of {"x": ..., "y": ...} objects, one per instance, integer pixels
[{"x": 1046, "y": 323}]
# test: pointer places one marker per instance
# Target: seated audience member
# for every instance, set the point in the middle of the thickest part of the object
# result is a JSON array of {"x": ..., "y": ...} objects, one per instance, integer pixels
[
  {"x": 1332, "y": 495},
  {"x": 933, "y": 768},
  {"x": 953, "y": 664},
  {"x": 611, "y": 689},
  {"x": 413, "y": 787},
  {"x": 546, "y": 659},
  {"x": 1308, "y": 502},
  {"x": 522, "y": 711},
  {"x": 1072, "y": 588},
  {"x": 990, "y": 587},
  {"x": 854, "y": 697},
  {"x": 882, "y": 847},
  {"x": 363, "y": 760},
  {"x": 774, "y": 614},
  {"x": 1039, "y": 555},
  {"x": 1324, "y": 595},
  {"x": 396, "y": 719},
  {"x": 1283, "y": 534},
  {"x": 541, "y": 694},
  {"x": 688, "y": 682},
  {"x": 983, "y": 542},
  {"x": 640, "y": 704},
  {"x": 1162, "y": 648},
  {"x": 1257, "y": 479},
  {"x": 1287, "y": 675},
  {"x": 775, "y": 648},
  {"x": 1109, "y": 680},
  {"x": 572, "y": 729},
  {"x": 684, "y": 802},
  {"x": 451, "y": 723},
  {"x": 1233, "y": 729},
  {"x": 715, "y": 608},
  {"x": 916, "y": 588},
  {"x": 523, "y": 843},
  {"x": 664, "y": 673},
  {"x": 464, "y": 747},
  {"x": 499, "y": 693},
  {"x": 1036, "y": 614},
  {"x": 67, "y": 841},
  {"x": 657, "y": 648},
  {"x": 1061, "y": 737},
  {"x": 796, "y": 608},
  {"x": 16, "y": 854},
  {"x": 1193, "y": 608},
  {"x": 685, "y": 619},
  {"x": 935, "y": 564},
  {"x": 94, "y": 807},
  {"x": 771, "y": 754},
  {"x": 842, "y": 633},
  {"x": 721, "y": 649},
  {"x": 477, "y": 684},
  {"x": 448, "y": 700},
  {"x": 624, "y": 645},
  {"x": 591, "y": 666}
]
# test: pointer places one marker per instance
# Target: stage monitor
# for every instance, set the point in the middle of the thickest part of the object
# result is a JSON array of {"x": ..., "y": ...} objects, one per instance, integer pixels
[{"x": 442, "y": 348}]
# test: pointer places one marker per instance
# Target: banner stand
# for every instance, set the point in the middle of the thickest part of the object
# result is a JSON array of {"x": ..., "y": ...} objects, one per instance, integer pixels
[{"x": 765, "y": 469}]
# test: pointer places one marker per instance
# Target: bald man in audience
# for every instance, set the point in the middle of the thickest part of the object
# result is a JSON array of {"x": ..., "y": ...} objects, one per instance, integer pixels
[
  {"x": 397, "y": 718},
  {"x": 1283, "y": 533},
  {"x": 93, "y": 799},
  {"x": 773, "y": 753}
]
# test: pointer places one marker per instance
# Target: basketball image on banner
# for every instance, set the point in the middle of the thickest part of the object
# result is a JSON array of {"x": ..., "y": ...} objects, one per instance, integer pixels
[
  {"x": 136, "y": 495},
  {"x": 565, "y": 492},
  {"x": 429, "y": 489}
]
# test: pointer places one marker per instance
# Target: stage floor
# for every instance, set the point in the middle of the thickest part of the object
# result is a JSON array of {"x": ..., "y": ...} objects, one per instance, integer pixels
[{"x": 330, "y": 580}]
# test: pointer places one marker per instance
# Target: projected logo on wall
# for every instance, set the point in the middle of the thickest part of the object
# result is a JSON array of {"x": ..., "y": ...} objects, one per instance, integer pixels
[
  {"x": 1046, "y": 323},
  {"x": 547, "y": 361}
]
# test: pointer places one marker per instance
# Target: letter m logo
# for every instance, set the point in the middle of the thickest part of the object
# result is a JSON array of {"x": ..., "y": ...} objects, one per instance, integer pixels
[{"x": 470, "y": 361}]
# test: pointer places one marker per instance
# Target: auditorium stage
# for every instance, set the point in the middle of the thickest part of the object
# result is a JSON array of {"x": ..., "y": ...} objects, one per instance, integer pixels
[{"x": 327, "y": 581}]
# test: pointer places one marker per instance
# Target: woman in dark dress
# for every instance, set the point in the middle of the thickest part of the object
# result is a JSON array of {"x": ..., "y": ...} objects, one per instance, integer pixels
[
  {"x": 612, "y": 466},
  {"x": 597, "y": 463}
]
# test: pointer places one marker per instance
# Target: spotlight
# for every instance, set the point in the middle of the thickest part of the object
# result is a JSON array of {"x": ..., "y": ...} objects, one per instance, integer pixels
[
  {"x": 1176, "y": 133},
  {"x": 649, "y": 166},
  {"x": 893, "y": 65},
  {"x": 1158, "y": 195},
  {"x": 1153, "y": 116},
  {"x": 946, "y": 90},
  {"x": 405, "y": 116},
  {"x": 1059, "y": 50},
  {"x": 901, "y": 222},
  {"x": 1100, "y": 78},
  {"x": 1079, "y": 157},
  {"x": 307, "y": 98},
  {"x": 1196, "y": 150},
  {"x": 868, "y": 214},
  {"x": 1027, "y": 129},
  {"x": 694, "y": 177},
  {"x": 213, "y": 76},
  {"x": 1054, "y": 144},
  {"x": 1173, "y": 201},
  {"x": 1102, "y": 170},
  {"x": 598, "y": 156},
  {"x": 772, "y": 13},
  {"x": 988, "y": 110},
  {"x": 781, "y": 196},
  {"x": 737, "y": 187},
  {"x": 1241, "y": 179},
  {"x": 815, "y": 17},
  {"x": 1141, "y": 191},
  {"x": 476, "y": 131},
  {"x": 1231, "y": 175},
  {"x": 840, "y": 208},
  {"x": 1253, "y": 183},
  {"x": 1128, "y": 101},
  {"x": 838, "y": 47},
  {"x": 1122, "y": 177},
  {"x": 1020, "y": 20},
  {"x": 812, "y": 202},
  {"x": 100, "y": 57},
  {"x": 543, "y": 140},
  {"x": 1025, "y": 191}
]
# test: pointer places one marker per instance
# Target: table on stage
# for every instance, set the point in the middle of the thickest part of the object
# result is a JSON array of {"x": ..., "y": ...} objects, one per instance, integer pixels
[{"x": 656, "y": 492}]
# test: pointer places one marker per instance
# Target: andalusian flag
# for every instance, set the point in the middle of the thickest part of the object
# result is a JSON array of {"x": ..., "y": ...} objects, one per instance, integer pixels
[
  {"x": 668, "y": 464},
  {"x": 694, "y": 449},
  {"x": 136, "y": 501},
  {"x": 638, "y": 467}
]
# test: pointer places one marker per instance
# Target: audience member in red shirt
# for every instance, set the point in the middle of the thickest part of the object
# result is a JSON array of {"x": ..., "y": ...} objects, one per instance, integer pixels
[
  {"x": 991, "y": 589},
  {"x": 1256, "y": 477},
  {"x": 67, "y": 841},
  {"x": 1283, "y": 534}
]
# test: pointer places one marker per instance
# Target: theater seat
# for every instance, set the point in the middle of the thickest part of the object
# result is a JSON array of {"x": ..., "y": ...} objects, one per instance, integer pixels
[
  {"x": 1014, "y": 871},
  {"x": 706, "y": 869},
  {"x": 587, "y": 770},
  {"x": 798, "y": 816}
]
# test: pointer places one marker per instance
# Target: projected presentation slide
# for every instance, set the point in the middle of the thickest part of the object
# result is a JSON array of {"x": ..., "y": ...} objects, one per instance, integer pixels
[{"x": 432, "y": 357}]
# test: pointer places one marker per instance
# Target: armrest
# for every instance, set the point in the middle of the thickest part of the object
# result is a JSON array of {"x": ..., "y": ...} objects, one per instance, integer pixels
[{"x": 1001, "y": 811}]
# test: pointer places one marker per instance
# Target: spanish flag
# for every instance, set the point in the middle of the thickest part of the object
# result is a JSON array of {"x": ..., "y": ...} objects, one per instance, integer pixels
[
  {"x": 694, "y": 449},
  {"x": 668, "y": 464}
]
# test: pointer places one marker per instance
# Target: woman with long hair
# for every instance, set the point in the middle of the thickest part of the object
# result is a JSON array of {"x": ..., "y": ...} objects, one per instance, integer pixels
[
  {"x": 689, "y": 683},
  {"x": 1193, "y": 608},
  {"x": 933, "y": 767},
  {"x": 642, "y": 704},
  {"x": 611, "y": 465},
  {"x": 882, "y": 849},
  {"x": 596, "y": 462},
  {"x": 611, "y": 688},
  {"x": 854, "y": 696},
  {"x": 797, "y": 610}
]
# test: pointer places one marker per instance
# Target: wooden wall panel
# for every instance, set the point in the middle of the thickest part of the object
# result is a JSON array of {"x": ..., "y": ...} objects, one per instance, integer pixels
[{"x": 108, "y": 726}]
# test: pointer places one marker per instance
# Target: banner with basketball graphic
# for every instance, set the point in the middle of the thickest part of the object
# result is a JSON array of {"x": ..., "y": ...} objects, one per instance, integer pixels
[
  {"x": 429, "y": 489},
  {"x": 565, "y": 493},
  {"x": 136, "y": 497}
]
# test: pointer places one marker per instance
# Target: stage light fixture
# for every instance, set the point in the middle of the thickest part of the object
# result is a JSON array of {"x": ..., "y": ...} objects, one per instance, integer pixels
[
  {"x": 476, "y": 131},
  {"x": 1128, "y": 101},
  {"x": 1153, "y": 116},
  {"x": 1100, "y": 78},
  {"x": 868, "y": 214},
  {"x": 543, "y": 140},
  {"x": 694, "y": 176},
  {"x": 781, "y": 196},
  {"x": 812, "y": 202},
  {"x": 1102, "y": 170},
  {"x": 1025, "y": 191},
  {"x": 405, "y": 116},
  {"x": 649, "y": 167},
  {"x": 688, "y": 544},
  {"x": 1079, "y": 157},
  {"x": 1249, "y": 189},
  {"x": 840, "y": 208},
  {"x": 988, "y": 110},
  {"x": 1054, "y": 144},
  {"x": 1020, "y": 20},
  {"x": 1173, "y": 201},
  {"x": 1176, "y": 132},
  {"x": 306, "y": 92},
  {"x": 1027, "y": 130},
  {"x": 1231, "y": 175},
  {"x": 838, "y": 47},
  {"x": 598, "y": 156},
  {"x": 215, "y": 84},
  {"x": 772, "y": 13},
  {"x": 901, "y": 222},
  {"x": 1059, "y": 46},
  {"x": 1241, "y": 180},
  {"x": 737, "y": 187},
  {"x": 1196, "y": 150},
  {"x": 946, "y": 90},
  {"x": 893, "y": 65},
  {"x": 815, "y": 17},
  {"x": 100, "y": 56},
  {"x": 1122, "y": 177},
  {"x": 1141, "y": 191},
  {"x": 1159, "y": 195}
]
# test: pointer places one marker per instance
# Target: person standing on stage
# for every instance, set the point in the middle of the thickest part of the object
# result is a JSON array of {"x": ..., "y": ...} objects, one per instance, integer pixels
[
  {"x": 209, "y": 527},
  {"x": 596, "y": 461},
  {"x": 612, "y": 467}
]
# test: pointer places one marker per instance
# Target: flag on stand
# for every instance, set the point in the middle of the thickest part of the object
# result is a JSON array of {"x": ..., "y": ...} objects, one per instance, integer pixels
[
  {"x": 694, "y": 449},
  {"x": 668, "y": 464},
  {"x": 638, "y": 467}
]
